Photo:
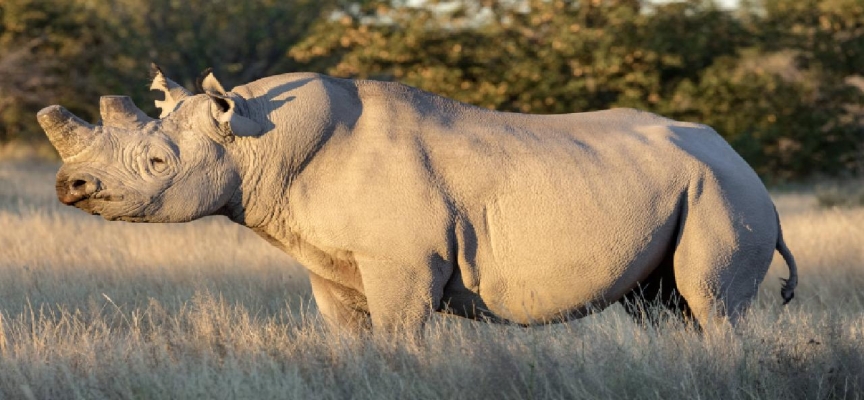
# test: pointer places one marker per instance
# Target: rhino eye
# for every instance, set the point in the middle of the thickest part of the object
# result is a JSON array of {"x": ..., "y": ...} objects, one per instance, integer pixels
[{"x": 158, "y": 165}]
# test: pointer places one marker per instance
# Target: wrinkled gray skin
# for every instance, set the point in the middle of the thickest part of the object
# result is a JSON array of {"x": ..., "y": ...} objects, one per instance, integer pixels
[{"x": 400, "y": 202}]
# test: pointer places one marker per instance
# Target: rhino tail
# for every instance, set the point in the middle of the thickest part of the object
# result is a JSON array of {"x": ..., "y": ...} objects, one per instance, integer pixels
[{"x": 788, "y": 288}]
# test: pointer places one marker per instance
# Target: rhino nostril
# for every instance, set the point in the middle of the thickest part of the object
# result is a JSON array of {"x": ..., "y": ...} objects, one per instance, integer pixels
[
  {"x": 82, "y": 185},
  {"x": 79, "y": 186}
]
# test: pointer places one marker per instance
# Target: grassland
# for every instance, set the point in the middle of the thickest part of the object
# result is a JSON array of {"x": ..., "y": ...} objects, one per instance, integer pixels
[{"x": 92, "y": 310}]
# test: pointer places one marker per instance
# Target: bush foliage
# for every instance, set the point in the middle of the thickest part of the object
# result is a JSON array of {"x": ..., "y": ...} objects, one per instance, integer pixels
[{"x": 775, "y": 77}]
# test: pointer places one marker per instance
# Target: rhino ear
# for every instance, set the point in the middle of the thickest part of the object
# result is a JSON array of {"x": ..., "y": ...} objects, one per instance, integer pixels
[
  {"x": 208, "y": 83},
  {"x": 227, "y": 109},
  {"x": 174, "y": 93}
]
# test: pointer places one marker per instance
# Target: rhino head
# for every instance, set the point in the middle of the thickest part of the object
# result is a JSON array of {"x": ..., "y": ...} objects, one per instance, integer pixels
[{"x": 135, "y": 168}]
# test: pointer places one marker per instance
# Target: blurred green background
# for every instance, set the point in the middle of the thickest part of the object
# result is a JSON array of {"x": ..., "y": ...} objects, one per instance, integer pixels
[{"x": 778, "y": 78}]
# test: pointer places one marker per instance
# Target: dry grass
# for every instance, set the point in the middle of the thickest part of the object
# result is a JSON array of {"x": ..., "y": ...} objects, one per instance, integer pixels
[
  {"x": 92, "y": 310},
  {"x": 18, "y": 150}
]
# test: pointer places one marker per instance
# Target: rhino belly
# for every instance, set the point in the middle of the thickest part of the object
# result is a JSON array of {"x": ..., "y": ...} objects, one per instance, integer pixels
[{"x": 560, "y": 257}]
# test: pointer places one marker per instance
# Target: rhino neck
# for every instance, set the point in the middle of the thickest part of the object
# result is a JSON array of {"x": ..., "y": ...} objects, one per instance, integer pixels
[
  {"x": 267, "y": 169},
  {"x": 301, "y": 114}
]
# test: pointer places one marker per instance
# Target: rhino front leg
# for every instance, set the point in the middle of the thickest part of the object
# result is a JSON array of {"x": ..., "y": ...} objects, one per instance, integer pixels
[
  {"x": 342, "y": 308},
  {"x": 402, "y": 296}
]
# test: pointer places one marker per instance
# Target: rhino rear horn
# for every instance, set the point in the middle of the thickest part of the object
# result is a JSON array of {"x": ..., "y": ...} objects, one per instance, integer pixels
[
  {"x": 68, "y": 133},
  {"x": 174, "y": 93},
  {"x": 120, "y": 111}
]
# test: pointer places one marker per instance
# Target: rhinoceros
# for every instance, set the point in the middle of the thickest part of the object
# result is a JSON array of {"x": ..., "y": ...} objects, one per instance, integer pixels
[{"x": 401, "y": 203}]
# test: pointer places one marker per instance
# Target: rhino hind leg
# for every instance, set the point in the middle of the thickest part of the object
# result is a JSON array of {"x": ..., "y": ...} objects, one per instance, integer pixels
[
  {"x": 722, "y": 256},
  {"x": 657, "y": 296}
]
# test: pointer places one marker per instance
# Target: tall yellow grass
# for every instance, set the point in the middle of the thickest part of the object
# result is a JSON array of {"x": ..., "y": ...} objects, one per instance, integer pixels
[{"x": 91, "y": 309}]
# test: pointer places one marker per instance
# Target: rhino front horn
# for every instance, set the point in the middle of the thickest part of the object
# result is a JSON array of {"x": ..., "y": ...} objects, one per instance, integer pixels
[
  {"x": 68, "y": 133},
  {"x": 120, "y": 111}
]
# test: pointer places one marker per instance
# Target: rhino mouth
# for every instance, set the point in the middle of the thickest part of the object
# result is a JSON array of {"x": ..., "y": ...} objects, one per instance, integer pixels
[
  {"x": 102, "y": 196},
  {"x": 108, "y": 196},
  {"x": 87, "y": 203},
  {"x": 109, "y": 205}
]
